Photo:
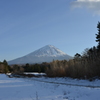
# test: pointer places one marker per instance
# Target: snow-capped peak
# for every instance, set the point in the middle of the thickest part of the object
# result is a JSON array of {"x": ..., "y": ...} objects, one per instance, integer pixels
[
  {"x": 47, "y": 50},
  {"x": 47, "y": 53}
]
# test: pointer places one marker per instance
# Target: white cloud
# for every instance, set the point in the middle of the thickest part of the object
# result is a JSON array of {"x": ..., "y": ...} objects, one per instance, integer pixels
[
  {"x": 87, "y": 0},
  {"x": 93, "y": 5}
]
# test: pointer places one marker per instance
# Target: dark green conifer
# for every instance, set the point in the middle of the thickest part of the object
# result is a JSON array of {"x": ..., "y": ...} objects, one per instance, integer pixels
[{"x": 98, "y": 36}]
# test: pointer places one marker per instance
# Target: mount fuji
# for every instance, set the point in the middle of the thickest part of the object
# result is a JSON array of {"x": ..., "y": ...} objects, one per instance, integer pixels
[{"x": 47, "y": 53}]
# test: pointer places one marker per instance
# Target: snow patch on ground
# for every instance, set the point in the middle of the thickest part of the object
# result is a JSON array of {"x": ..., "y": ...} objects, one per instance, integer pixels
[
  {"x": 35, "y": 73},
  {"x": 30, "y": 89}
]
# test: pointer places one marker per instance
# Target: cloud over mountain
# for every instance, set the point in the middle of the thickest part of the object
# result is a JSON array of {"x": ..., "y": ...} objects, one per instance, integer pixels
[{"x": 92, "y": 5}]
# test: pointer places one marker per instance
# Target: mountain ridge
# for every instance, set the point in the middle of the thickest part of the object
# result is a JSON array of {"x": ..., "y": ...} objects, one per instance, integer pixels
[
  {"x": 47, "y": 53},
  {"x": 47, "y": 50}
]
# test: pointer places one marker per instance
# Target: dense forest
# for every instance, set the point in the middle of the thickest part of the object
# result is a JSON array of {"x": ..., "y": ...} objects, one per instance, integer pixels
[{"x": 82, "y": 66}]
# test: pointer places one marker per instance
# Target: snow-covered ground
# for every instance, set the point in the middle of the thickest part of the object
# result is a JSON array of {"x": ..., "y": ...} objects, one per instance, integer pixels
[{"x": 48, "y": 89}]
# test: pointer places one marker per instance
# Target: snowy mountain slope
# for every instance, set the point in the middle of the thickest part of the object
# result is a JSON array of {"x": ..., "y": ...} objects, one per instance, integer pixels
[
  {"x": 48, "y": 50},
  {"x": 44, "y": 54}
]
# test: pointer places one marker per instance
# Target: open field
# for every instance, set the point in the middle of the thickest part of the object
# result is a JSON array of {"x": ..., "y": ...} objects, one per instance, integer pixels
[{"x": 48, "y": 89}]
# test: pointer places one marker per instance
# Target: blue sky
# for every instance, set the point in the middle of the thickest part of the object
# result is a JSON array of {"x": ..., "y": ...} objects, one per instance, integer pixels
[{"x": 27, "y": 25}]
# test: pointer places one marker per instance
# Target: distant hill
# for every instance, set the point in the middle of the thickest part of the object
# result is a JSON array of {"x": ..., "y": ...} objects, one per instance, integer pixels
[{"x": 47, "y": 53}]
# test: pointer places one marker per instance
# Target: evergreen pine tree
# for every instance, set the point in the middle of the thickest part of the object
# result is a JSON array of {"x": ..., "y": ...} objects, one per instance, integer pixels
[
  {"x": 6, "y": 69},
  {"x": 98, "y": 36}
]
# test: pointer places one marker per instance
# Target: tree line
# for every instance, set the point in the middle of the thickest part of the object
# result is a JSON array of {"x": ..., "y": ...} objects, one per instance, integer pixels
[{"x": 4, "y": 67}]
